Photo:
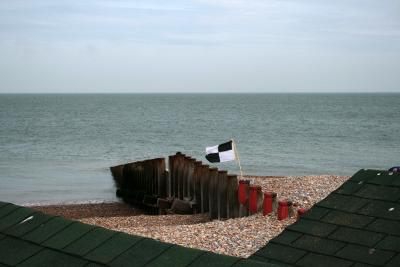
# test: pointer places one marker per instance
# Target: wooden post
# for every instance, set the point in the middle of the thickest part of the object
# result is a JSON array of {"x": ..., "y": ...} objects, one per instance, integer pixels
[
  {"x": 213, "y": 194},
  {"x": 204, "y": 183},
  {"x": 221, "y": 195},
  {"x": 118, "y": 175},
  {"x": 156, "y": 190},
  {"x": 190, "y": 179},
  {"x": 171, "y": 177},
  {"x": 232, "y": 199},
  {"x": 138, "y": 173},
  {"x": 180, "y": 175},
  {"x": 126, "y": 184},
  {"x": 176, "y": 174},
  {"x": 162, "y": 182},
  {"x": 142, "y": 176},
  {"x": 147, "y": 172},
  {"x": 133, "y": 176},
  {"x": 153, "y": 176},
  {"x": 197, "y": 185},
  {"x": 186, "y": 161},
  {"x": 140, "y": 179}
]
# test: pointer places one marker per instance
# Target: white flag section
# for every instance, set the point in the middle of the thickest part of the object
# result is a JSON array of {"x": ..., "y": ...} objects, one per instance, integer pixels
[{"x": 220, "y": 153}]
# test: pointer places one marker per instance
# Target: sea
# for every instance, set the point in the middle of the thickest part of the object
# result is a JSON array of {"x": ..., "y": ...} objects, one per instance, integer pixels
[{"x": 57, "y": 148}]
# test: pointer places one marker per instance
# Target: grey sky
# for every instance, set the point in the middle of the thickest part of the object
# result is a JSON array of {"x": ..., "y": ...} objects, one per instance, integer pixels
[{"x": 199, "y": 46}]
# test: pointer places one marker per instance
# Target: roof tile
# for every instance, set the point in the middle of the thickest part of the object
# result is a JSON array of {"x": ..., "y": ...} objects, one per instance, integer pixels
[
  {"x": 384, "y": 179},
  {"x": 357, "y": 236},
  {"x": 94, "y": 264},
  {"x": 6, "y": 209},
  {"x": 141, "y": 253},
  {"x": 113, "y": 247},
  {"x": 253, "y": 263},
  {"x": 21, "y": 229},
  {"x": 394, "y": 262},
  {"x": 316, "y": 213},
  {"x": 47, "y": 229},
  {"x": 312, "y": 227},
  {"x": 385, "y": 226},
  {"x": 365, "y": 254},
  {"x": 213, "y": 260},
  {"x": 280, "y": 264},
  {"x": 365, "y": 175},
  {"x": 379, "y": 192},
  {"x": 390, "y": 243},
  {"x": 14, "y": 251},
  {"x": 342, "y": 202},
  {"x": 281, "y": 253},
  {"x": 286, "y": 237},
  {"x": 317, "y": 244},
  {"x": 347, "y": 219},
  {"x": 317, "y": 260},
  {"x": 48, "y": 257},
  {"x": 396, "y": 180},
  {"x": 16, "y": 216},
  {"x": 359, "y": 264},
  {"x": 259, "y": 258},
  {"x": 89, "y": 241},
  {"x": 176, "y": 256},
  {"x": 69, "y": 234},
  {"x": 382, "y": 209},
  {"x": 349, "y": 188}
]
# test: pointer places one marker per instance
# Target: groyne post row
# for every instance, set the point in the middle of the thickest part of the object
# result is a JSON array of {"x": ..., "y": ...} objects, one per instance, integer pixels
[
  {"x": 191, "y": 186},
  {"x": 150, "y": 186},
  {"x": 208, "y": 189}
]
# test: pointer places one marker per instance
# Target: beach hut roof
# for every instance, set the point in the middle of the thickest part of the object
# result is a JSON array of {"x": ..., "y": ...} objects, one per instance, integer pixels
[
  {"x": 356, "y": 225},
  {"x": 31, "y": 238}
]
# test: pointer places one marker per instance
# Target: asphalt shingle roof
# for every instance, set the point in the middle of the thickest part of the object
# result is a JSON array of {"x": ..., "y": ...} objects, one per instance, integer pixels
[
  {"x": 356, "y": 225},
  {"x": 31, "y": 238}
]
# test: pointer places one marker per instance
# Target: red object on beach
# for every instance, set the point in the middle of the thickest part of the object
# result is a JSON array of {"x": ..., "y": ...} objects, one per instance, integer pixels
[
  {"x": 253, "y": 198},
  {"x": 300, "y": 212},
  {"x": 243, "y": 191},
  {"x": 267, "y": 203},
  {"x": 283, "y": 211}
]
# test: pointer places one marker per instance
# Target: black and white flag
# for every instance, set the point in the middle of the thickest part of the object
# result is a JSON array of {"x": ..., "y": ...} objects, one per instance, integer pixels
[{"x": 221, "y": 153}]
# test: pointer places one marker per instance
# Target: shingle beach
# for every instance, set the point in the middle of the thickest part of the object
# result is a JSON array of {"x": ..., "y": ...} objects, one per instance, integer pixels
[{"x": 237, "y": 237}]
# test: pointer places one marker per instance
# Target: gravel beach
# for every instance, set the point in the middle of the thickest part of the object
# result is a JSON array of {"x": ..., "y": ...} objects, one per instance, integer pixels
[{"x": 236, "y": 237}]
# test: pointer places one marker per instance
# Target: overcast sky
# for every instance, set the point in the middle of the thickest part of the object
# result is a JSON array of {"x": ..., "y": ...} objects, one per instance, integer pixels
[{"x": 199, "y": 46}]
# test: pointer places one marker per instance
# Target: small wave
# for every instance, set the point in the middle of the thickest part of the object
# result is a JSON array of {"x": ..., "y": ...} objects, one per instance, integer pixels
[{"x": 69, "y": 202}]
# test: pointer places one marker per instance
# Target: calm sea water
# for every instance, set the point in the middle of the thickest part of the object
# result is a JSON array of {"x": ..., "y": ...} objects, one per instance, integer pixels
[{"x": 57, "y": 148}]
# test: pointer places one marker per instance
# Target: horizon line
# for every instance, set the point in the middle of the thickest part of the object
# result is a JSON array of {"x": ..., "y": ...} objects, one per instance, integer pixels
[{"x": 197, "y": 93}]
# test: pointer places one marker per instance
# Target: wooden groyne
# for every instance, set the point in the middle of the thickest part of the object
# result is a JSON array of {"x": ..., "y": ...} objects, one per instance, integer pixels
[
  {"x": 142, "y": 183},
  {"x": 187, "y": 186}
]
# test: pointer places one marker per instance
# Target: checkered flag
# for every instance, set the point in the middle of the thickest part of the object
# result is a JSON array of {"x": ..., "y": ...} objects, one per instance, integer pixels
[{"x": 220, "y": 153}]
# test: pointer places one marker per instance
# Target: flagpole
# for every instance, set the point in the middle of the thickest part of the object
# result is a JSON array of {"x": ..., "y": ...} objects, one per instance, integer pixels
[{"x": 237, "y": 158}]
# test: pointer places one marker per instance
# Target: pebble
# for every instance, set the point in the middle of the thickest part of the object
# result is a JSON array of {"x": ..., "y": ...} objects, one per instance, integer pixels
[{"x": 239, "y": 237}]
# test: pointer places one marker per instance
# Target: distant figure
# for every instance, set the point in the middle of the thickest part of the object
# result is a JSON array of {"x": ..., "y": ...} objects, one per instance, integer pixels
[{"x": 395, "y": 169}]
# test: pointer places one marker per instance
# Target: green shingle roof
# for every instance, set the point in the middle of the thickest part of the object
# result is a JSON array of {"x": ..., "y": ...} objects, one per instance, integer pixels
[
  {"x": 356, "y": 225},
  {"x": 31, "y": 238}
]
